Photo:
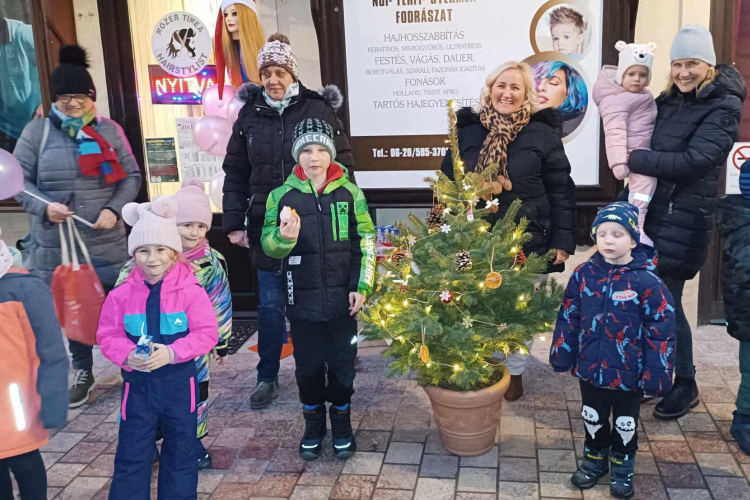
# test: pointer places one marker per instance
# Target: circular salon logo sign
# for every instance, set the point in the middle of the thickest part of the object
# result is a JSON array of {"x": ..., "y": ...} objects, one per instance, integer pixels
[{"x": 181, "y": 44}]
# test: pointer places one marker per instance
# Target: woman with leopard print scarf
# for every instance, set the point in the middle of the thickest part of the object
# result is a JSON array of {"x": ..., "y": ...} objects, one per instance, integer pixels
[{"x": 507, "y": 127}]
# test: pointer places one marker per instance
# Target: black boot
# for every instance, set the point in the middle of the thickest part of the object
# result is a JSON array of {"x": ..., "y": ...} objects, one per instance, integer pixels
[
  {"x": 740, "y": 431},
  {"x": 515, "y": 389},
  {"x": 344, "y": 444},
  {"x": 315, "y": 430},
  {"x": 621, "y": 480},
  {"x": 682, "y": 397},
  {"x": 263, "y": 394},
  {"x": 204, "y": 457},
  {"x": 595, "y": 465}
]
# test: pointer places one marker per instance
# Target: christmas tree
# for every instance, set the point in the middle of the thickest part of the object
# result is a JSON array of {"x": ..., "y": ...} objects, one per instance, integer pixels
[{"x": 456, "y": 290}]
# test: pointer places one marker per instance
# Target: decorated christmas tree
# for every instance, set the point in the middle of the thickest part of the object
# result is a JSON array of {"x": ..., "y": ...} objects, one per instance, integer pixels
[{"x": 457, "y": 293}]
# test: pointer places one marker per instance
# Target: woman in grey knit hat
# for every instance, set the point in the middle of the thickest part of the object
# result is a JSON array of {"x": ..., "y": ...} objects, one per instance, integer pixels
[{"x": 696, "y": 127}]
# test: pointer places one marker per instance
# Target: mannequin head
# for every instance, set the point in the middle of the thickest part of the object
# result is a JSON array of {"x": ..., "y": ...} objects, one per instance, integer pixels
[{"x": 241, "y": 24}]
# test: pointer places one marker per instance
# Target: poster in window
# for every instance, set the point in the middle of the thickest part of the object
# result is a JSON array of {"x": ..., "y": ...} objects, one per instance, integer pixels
[
  {"x": 193, "y": 161},
  {"x": 161, "y": 160},
  {"x": 406, "y": 59}
]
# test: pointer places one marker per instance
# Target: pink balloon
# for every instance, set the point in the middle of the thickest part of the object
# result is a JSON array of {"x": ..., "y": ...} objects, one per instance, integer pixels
[
  {"x": 212, "y": 134},
  {"x": 216, "y": 189},
  {"x": 11, "y": 176},
  {"x": 212, "y": 106},
  {"x": 233, "y": 110}
]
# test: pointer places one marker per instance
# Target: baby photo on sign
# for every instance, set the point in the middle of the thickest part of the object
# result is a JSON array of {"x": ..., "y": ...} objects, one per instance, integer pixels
[{"x": 564, "y": 28}]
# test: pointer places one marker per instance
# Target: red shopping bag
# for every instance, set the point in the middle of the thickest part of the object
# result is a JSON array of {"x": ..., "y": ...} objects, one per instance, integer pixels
[{"x": 77, "y": 291}]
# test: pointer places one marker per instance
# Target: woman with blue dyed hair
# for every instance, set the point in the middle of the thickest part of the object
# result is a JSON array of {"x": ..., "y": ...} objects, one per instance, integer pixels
[{"x": 561, "y": 86}]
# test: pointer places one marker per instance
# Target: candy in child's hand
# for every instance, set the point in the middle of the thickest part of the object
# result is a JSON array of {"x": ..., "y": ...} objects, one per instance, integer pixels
[{"x": 288, "y": 214}]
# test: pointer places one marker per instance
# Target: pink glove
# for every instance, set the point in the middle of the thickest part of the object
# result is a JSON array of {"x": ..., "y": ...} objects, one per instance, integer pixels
[{"x": 621, "y": 171}]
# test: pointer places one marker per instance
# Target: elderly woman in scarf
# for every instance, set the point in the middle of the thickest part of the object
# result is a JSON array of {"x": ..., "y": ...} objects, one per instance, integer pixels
[
  {"x": 509, "y": 128},
  {"x": 81, "y": 163}
]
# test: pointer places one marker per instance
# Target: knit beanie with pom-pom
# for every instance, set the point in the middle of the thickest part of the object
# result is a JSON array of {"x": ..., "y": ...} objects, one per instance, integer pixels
[
  {"x": 193, "y": 204},
  {"x": 153, "y": 224},
  {"x": 72, "y": 75},
  {"x": 278, "y": 52}
]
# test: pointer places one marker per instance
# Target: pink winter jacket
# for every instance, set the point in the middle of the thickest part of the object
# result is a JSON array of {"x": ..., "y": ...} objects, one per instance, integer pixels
[
  {"x": 180, "y": 294},
  {"x": 628, "y": 117}
]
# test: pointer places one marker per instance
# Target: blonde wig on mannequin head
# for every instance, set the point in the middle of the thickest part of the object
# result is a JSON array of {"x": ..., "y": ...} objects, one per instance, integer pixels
[{"x": 251, "y": 40}]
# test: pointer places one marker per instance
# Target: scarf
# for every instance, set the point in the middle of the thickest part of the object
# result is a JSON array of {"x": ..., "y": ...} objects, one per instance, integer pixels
[
  {"x": 96, "y": 156},
  {"x": 291, "y": 92},
  {"x": 198, "y": 251},
  {"x": 503, "y": 130}
]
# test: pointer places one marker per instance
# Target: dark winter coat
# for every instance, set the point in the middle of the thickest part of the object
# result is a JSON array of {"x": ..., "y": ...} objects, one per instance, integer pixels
[
  {"x": 54, "y": 174},
  {"x": 734, "y": 225},
  {"x": 335, "y": 251},
  {"x": 540, "y": 173},
  {"x": 616, "y": 326},
  {"x": 259, "y": 157},
  {"x": 693, "y": 136}
]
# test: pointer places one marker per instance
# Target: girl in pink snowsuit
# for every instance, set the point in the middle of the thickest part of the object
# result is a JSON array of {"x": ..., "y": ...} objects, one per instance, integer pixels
[{"x": 628, "y": 111}]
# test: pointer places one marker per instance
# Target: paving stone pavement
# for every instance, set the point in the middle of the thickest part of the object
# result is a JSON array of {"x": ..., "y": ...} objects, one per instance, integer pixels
[{"x": 401, "y": 457}]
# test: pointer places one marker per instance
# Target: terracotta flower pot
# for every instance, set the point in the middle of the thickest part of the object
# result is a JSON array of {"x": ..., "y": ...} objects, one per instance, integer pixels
[{"x": 468, "y": 420}]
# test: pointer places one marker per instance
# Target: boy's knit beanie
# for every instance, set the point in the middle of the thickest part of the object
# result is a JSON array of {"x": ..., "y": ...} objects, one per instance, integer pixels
[
  {"x": 745, "y": 180},
  {"x": 72, "y": 76},
  {"x": 633, "y": 54},
  {"x": 153, "y": 224},
  {"x": 313, "y": 131},
  {"x": 694, "y": 41},
  {"x": 192, "y": 203},
  {"x": 278, "y": 52},
  {"x": 622, "y": 213}
]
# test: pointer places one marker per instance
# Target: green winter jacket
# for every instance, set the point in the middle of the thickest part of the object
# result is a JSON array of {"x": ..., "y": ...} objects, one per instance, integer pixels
[{"x": 335, "y": 251}]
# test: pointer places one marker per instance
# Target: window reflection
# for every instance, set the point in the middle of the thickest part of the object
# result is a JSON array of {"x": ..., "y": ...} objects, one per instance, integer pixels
[{"x": 20, "y": 97}]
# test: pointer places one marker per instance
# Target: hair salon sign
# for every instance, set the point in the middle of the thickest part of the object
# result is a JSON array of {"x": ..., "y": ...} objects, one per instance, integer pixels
[{"x": 181, "y": 44}]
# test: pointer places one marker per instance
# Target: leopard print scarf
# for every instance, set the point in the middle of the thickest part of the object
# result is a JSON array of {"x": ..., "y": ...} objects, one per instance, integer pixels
[{"x": 503, "y": 130}]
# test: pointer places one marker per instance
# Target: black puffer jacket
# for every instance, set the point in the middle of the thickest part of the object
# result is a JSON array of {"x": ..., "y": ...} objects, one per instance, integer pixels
[
  {"x": 540, "y": 173},
  {"x": 259, "y": 157},
  {"x": 692, "y": 139},
  {"x": 734, "y": 224}
]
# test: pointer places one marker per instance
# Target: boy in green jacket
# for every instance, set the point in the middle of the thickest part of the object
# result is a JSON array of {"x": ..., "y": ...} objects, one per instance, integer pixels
[{"x": 319, "y": 224}]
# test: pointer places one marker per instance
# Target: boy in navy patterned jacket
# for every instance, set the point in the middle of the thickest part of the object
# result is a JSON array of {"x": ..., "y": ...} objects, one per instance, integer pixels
[{"x": 616, "y": 332}]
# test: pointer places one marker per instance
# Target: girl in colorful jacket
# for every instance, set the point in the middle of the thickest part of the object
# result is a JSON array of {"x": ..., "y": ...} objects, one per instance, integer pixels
[
  {"x": 210, "y": 268},
  {"x": 153, "y": 326},
  {"x": 616, "y": 332}
]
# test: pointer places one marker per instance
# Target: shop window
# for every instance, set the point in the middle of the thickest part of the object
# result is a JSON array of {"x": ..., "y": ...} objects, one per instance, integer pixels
[
  {"x": 163, "y": 125},
  {"x": 20, "y": 93}
]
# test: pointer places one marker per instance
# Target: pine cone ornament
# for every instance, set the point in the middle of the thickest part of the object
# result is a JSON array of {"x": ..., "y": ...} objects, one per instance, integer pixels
[
  {"x": 398, "y": 255},
  {"x": 521, "y": 257},
  {"x": 403, "y": 288},
  {"x": 435, "y": 218},
  {"x": 493, "y": 209},
  {"x": 463, "y": 261}
]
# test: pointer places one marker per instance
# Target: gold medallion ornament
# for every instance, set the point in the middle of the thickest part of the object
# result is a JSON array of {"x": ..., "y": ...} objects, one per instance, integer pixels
[
  {"x": 424, "y": 353},
  {"x": 493, "y": 280}
]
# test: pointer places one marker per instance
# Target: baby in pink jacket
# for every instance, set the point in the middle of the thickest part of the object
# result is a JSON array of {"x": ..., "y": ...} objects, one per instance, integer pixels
[{"x": 628, "y": 111}]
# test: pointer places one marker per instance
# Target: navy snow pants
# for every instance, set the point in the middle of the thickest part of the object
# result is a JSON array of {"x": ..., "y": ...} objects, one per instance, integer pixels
[{"x": 168, "y": 397}]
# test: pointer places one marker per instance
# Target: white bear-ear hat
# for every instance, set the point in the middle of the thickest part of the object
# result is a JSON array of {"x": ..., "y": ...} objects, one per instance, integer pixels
[
  {"x": 634, "y": 54},
  {"x": 153, "y": 224}
]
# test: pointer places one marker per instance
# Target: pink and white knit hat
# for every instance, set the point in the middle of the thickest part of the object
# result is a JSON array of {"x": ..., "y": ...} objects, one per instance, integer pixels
[
  {"x": 278, "y": 52},
  {"x": 153, "y": 224},
  {"x": 192, "y": 203}
]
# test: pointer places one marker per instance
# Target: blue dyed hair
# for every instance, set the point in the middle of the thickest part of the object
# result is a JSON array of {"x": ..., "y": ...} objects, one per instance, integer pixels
[{"x": 578, "y": 94}]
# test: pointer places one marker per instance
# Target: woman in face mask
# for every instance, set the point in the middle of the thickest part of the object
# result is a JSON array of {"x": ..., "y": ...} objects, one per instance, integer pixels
[
  {"x": 82, "y": 163},
  {"x": 259, "y": 159}
]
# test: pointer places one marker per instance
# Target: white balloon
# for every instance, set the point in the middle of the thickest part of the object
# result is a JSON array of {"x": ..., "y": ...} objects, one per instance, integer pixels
[{"x": 216, "y": 189}]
